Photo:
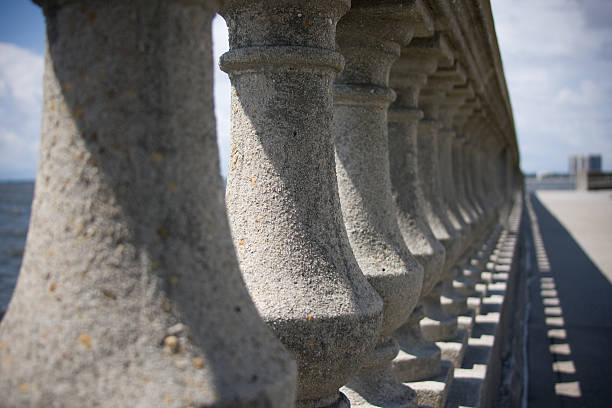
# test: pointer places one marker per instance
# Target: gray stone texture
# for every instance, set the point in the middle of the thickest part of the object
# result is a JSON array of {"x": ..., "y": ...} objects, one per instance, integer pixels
[
  {"x": 454, "y": 300},
  {"x": 434, "y": 391},
  {"x": 418, "y": 358},
  {"x": 478, "y": 167},
  {"x": 430, "y": 144},
  {"x": 370, "y": 37},
  {"x": 464, "y": 96},
  {"x": 438, "y": 325},
  {"x": 461, "y": 162},
  {"x": 472, "y": 132},
  {"x": 470, "y": 192},
  {"x": 130, "y": 292},
  {"x": 484, "y": 186},
  {"x": 449, "y": 78},
  {"x": 282, "y": 193},
  {"x": 428, "y": 128}
]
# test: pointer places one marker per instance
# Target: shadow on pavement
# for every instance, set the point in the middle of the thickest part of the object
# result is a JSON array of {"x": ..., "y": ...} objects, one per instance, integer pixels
[{"x": 570, "y": 322}]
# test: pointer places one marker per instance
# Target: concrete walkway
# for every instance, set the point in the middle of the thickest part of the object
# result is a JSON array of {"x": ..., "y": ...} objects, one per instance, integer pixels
[
  {"x": 587, "y": 216},
  {"x": 570, "y": 323}
]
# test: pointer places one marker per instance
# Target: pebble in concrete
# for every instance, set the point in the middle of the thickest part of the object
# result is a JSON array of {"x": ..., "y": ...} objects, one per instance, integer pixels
[
  {"x": 282, "y": 192},
  {"x": 369, "y": 37},
  {"x": 130, "y": 292}
]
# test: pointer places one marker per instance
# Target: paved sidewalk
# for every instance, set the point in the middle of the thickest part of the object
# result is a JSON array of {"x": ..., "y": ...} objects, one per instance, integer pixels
[
  {"x": 570, "y": 323},
  {"x": 587, "y": 216}
]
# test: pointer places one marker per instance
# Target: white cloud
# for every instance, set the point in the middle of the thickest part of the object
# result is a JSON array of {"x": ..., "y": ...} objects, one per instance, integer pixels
[
  {"x": 587, "y": 94},
  {"x": 557, "y": 58},
  {"x": 21, "y": 74}
]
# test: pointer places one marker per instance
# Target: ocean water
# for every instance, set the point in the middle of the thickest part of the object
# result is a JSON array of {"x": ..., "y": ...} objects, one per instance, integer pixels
[{"x": 15, "y": 207}]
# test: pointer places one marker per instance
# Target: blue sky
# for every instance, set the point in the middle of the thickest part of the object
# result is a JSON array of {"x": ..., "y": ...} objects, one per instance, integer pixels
[{"x": 557, "y": 57}]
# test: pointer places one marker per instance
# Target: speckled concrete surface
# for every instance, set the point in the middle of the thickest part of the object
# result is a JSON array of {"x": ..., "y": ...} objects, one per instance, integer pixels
[{"x": 130, "y": 292}]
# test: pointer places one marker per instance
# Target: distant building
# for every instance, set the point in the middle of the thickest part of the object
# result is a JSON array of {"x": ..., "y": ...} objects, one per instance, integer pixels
[
  {"x": 587, "y": 171},
  {"x": 585, "y": 164}
]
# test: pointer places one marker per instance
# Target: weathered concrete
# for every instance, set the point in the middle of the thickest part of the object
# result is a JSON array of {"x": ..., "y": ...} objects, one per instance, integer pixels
[
  {"x": 130, "y": 293},
  {"x": 424, "y": 58},
  {"x": 434, "y": 391},
  {"x": 418, "y": 358},
  {"x": 456, "y": 112},
  {"x": 472, "y": 128},
  {"x": 486, "y": 187},
  {"x": 129, "y": 225},
  {"x": 476, "y": 161},
  {"x": 454, "y": 349},
  {"x": 370, "y": 37},
  {"x": 428, "y": 133},
  {"x": 464, "y": 110},
  {"x": 438, "y": 86},
  {"x": 452, "y": 300},
  {"x": 455, "y": 76},
  {"x": 282, "y": 193}
]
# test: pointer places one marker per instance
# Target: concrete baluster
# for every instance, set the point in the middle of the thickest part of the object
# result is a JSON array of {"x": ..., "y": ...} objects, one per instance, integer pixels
[
  {"x": 129, "y": 292},
  {"x": 282, "y": 192},
  {"x": 468, "y": 126},
  {"x": 418, "y": 358},
  {"x": 430, "y": 146},
  {"x": 498, "y": 176},
  {"x": 424, "y": 55},
  {"x": 485, "y": 176},
  {"x": 369, "y": 37},
  {"x": 441, "y": 84},
  {"x": 471, "y": 131},
  {"x": 473, "y": 268},
  {"x": 452, "y": 76},
  {"x": 490, "y": 148},
  {"x": 506, "y": 184},
  {"x": 466, "y": 276},
  {"x": 461, "y": 96},
  {"x": 479, "y": 172},
  {"x": 460, "y": 173},
  {"x": 475, "y": 258}
]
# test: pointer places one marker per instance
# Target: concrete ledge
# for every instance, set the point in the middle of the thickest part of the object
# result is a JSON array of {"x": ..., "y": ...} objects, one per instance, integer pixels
[
  {"x": 434, "y": 391},
  {"x": 453, "y": 350},
  {"x": 466, "y": 321}
]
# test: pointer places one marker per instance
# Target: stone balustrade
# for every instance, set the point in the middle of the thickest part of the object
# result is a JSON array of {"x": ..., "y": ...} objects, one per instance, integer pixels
[{"x": 370, "y": 220}]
